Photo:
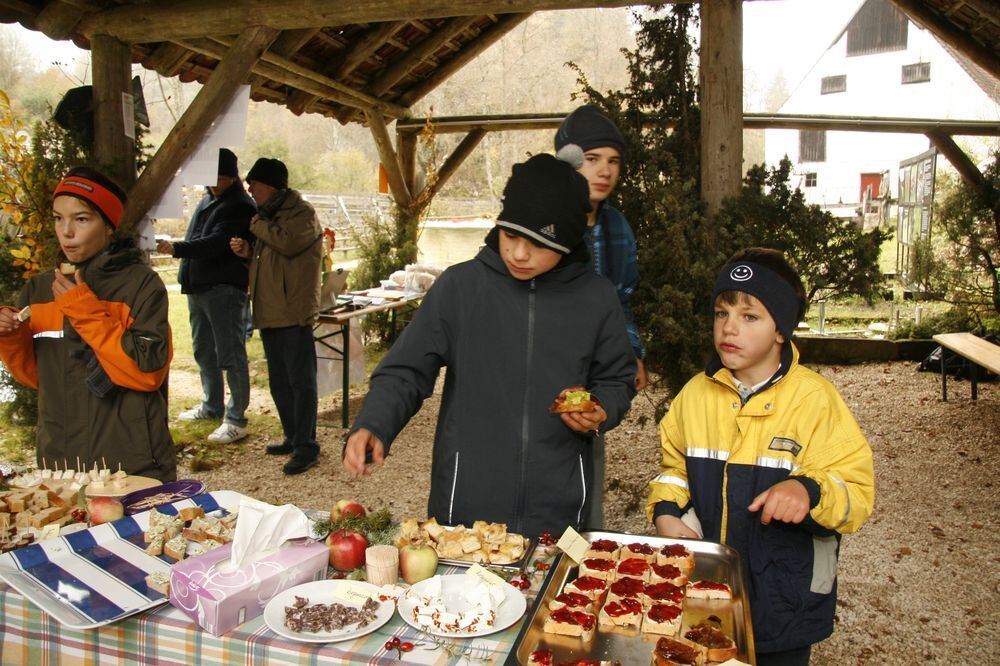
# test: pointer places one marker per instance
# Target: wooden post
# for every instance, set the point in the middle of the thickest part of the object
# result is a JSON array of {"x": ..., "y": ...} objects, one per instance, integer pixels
[
  {"x": 721, "y": 79},
  {"x": 397, "y": 186},
  {"x": 448, "y": 169},
  {"x": 963, "y": 165},
  {"x": 114, "y": 152},
  {"x": 185, "y": 136},
  {"x": 406, "y": 147}
]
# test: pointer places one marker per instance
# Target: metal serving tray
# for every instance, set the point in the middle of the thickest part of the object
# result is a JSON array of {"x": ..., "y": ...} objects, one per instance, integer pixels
[{"x": 630, "y": 646}]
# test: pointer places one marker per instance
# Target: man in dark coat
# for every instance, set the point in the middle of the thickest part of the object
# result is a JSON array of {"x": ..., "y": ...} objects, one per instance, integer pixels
[{"x": 215, "y": 281}]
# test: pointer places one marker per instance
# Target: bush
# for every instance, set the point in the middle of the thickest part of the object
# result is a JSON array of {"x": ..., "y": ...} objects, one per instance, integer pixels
[{"x": 954, "y": 320}]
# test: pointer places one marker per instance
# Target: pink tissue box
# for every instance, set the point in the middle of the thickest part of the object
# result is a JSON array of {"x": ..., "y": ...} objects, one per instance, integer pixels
[{"x": 220, "y": 600}]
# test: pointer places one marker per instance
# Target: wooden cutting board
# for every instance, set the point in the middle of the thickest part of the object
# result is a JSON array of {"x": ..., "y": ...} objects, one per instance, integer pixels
[{"x": 132, "y": 483}]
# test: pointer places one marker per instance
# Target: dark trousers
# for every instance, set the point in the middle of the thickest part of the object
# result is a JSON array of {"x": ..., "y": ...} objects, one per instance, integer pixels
[
  {"x": 796, "y": 657},
  {"x": 291, "y": 371}
]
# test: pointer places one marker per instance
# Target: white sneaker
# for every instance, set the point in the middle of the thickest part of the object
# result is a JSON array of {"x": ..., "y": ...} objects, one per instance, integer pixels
[
  {"x": 196, "y": 414},
  {"x": 227, "y": 433}
]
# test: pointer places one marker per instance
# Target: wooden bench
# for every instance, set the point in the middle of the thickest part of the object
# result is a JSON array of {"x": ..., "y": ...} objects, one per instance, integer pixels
[{"x": 978, "y": 351}]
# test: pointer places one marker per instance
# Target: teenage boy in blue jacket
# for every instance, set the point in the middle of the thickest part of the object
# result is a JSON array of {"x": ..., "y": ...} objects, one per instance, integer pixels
[
  {"x": 762, "y": 454},
  {"x": 516, "y": 326}
]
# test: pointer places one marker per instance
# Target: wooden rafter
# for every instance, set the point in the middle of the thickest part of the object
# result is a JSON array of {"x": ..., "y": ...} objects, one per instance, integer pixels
[
  {"x": 963, "y": 165},
  {"x": 167, "y": 59},
  {"x": 950, "y": 33},
  {"x": 757, "y": 121},
  {"x": 390, "y": 162},
  {"x": 57, "y": 19},
  {"x": 486, "y": 39},
  {"x": 292, "y": 74},
  {"x": 186, "y": 19},
  {"x": 187, "y": 133},
  {"x": 448, "y": 169},
  {"x": 340, "y": 68}
]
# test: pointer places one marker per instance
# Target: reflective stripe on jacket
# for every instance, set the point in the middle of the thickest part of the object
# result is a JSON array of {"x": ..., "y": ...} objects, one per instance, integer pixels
[{"x": 719, "y": 454}]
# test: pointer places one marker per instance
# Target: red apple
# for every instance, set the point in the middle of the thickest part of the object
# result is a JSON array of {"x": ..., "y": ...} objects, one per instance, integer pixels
[
  {"x": 347, "y": 549},
  {"x": 346, "y": 507},
  {"x": 417, "y": 563},
  {"x": 104, "y": 510}
]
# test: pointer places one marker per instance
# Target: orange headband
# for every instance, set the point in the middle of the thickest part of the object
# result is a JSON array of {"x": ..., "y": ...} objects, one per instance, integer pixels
[{"x": 94, "y": 193}]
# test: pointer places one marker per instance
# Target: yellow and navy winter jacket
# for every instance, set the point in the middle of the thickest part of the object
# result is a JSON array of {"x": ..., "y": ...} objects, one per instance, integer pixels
[
  {"x": 116, "y": 318},
  {"x": 720, "y": 452}
]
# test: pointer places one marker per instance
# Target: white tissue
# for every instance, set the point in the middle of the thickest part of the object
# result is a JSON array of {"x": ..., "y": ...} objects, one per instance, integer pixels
[{"x": 263, "y": 528}]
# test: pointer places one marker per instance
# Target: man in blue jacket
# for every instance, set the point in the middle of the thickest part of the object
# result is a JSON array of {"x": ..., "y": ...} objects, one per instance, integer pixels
[
  {"x": 523, "y": 322},
  {"x": 215, "y": 281}
]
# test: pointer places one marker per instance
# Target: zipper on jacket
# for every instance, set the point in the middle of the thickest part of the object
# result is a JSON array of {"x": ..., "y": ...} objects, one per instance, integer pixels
[
  {"x": 454, "y": 484},
  {"x": 583, "y": 487},
  {"x": 525, "y": 425}
]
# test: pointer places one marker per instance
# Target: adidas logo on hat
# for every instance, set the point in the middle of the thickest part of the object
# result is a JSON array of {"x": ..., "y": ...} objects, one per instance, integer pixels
[{"x": 549, "y": 230}]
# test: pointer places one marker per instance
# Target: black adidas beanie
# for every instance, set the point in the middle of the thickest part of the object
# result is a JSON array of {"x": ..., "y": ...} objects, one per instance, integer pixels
[
  {"x": 589, "y": 127},
  {"x": 546, "y": 201}
]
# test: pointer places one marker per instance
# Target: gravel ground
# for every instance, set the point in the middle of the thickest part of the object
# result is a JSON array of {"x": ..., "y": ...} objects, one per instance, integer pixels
[{"x": 918, "y": 583}]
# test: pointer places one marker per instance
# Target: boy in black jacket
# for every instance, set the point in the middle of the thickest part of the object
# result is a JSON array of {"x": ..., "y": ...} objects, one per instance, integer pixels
[{"x": 517, "y": 326}]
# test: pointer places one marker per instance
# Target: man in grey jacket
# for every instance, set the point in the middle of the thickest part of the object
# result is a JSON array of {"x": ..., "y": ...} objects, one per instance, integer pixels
[{"x": 285, "y": 271}]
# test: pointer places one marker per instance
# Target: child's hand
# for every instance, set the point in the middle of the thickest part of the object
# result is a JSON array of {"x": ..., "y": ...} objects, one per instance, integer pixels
[
  {"x": 358, "y": 444},
  {"x": 787, "y": 501},
  {"x": 8, "y": 320},
  {"x": 671, "y": 526},
  {"x": 63, "y": 283},
  {"x": 585, "y": 421}
]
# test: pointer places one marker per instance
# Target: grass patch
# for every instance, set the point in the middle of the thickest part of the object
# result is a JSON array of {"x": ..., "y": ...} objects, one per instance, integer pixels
[{"x": 17, "y": 443}]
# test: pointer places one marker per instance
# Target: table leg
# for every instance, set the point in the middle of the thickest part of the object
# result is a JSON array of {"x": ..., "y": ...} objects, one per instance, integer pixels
[
  {"x": 944, "y": 379},
  {"x": 974, "y": 376},
  {"x": 346, "y": 379}
]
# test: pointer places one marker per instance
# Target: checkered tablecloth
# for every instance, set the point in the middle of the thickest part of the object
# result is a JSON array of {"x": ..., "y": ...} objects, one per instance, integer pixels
[{"x": 164, "y": 635}]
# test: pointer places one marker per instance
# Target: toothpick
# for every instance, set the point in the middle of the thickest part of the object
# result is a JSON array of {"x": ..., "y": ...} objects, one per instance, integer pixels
[
  {"x": 78, "y": 463},
  {"x": 119, "y": 466},
  {"x": 104, "y": 464},
  {"x": 65, "y": 465},
  {"x": 44, "y": 466}
]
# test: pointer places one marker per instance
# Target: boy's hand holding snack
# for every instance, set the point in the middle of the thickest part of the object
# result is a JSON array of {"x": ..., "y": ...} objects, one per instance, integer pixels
[
  {"x": 787, "y": 502},
  {"x": 64, "y": 281},
  {"x": 578, "y": 410},
  {"x": 239, "y": 247},
  {"x": 357, "y": 449},
  {"x": 8, "y": 320}
]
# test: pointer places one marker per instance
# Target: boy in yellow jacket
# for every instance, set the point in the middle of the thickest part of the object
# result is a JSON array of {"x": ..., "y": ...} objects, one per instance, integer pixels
[{"x": 762, "y": 454}]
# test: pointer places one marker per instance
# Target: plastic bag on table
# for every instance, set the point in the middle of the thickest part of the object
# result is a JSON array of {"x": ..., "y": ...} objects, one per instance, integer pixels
[{"x": 330, "y": 365}]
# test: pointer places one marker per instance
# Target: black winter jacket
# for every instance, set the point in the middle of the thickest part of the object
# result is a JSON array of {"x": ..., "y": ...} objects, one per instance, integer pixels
[
  {"x": 206, "y": 259},
  {"x": 510, "y": 347}
]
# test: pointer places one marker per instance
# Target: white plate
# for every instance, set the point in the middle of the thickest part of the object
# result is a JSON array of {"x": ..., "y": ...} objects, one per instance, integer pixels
[
  {"x": 324, "y": 592},
  {"x": 510, "y": 611}
]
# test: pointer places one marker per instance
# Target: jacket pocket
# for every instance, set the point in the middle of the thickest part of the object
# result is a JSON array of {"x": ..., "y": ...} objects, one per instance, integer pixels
[{"x": 824, "y": 571}]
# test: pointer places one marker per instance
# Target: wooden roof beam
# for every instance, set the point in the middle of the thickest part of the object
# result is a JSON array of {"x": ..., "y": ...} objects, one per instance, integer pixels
[
  {"x": 189, "y": 130},
  {"x": 756, "y": 121},
  {"x": 963, "y": 165},
  {"x": 57, "y": 19},
  {"x": 186, "y": 19},
  {"x": 983, "y": 56},
  {"x": 397, "y": 184},
  {"x": 486, "y": 39},
  {"x": 448, "y": 169},
  {"x": 285, "y": 71},
  {"x": 167, "y": 59},
  {"x": 418, "y": 52}
]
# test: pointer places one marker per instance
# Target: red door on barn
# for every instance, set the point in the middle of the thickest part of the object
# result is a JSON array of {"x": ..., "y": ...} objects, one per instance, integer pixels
[{"x": 870, "y": 183}]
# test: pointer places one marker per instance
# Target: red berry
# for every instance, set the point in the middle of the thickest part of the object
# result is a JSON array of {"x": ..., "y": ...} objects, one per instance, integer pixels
[
  {"x": 395, "y": 641},
  {"x": 514, "y": 582},
  {"x": 406, "y": 647},
  {"x": 388, "y": 646},
  {"x": 524, "y": 585}
]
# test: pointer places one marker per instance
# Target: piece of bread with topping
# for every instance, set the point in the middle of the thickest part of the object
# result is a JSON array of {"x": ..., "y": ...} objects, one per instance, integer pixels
[{"x": 571, "y": 623}]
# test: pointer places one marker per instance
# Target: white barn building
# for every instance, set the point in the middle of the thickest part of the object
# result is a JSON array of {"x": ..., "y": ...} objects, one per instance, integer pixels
[{"x": 880, "y": 64}]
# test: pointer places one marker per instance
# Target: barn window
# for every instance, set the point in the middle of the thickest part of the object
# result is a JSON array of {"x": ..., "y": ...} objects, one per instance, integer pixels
[
  {"x": 833, "y": 84},
  {"x": 811, "y": 179},
  {"x": 812, "y": 146},
  {"x": 917, "y": 72},
  {"x": 878, "y": 27}
]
